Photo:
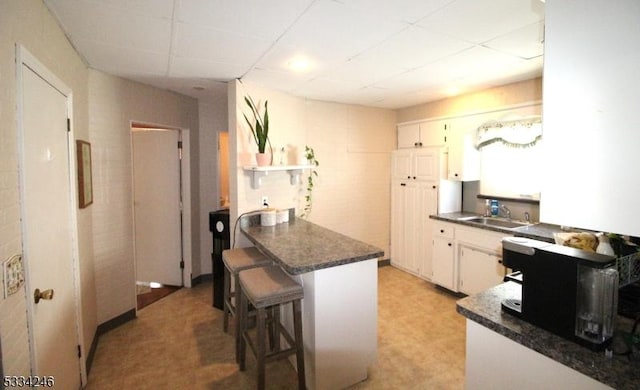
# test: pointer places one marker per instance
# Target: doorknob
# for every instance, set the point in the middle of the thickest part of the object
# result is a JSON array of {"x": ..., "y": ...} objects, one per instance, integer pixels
[{"x": 46, "y": 294}]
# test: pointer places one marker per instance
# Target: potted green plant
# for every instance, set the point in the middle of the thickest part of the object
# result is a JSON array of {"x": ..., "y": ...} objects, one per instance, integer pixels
[
  {"x": 310, "y": 155},
  {"x": 260, "y": 131}
]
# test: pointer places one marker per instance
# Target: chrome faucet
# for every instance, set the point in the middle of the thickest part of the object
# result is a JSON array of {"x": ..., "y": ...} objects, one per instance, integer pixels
[
  {"x": 527, "y": 217},
  {"x": 505, "y": 211}
]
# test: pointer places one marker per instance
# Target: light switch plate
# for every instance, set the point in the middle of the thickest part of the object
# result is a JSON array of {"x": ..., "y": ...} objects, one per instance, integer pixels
[{"x": 13, "y": 275}]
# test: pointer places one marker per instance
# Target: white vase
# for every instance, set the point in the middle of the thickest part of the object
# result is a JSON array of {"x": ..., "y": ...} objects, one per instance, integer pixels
[{"x": 263, "y": 159}]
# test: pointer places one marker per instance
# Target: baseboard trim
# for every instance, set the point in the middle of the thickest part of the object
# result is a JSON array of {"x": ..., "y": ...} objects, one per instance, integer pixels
[
  {"x": 116, "y": 322},
  {"x": 92, "y": 352},
  {"x": 384, "y": 262},
  {"x": 201, "y": 279}
]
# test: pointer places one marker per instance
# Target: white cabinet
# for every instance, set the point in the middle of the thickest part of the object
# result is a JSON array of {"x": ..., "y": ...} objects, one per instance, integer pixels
[
  {"x": 591, "y": 116},
  {"x": 465, "y": 258},
  {"x": 415, "y": 135},
  {"x": 464, "y": 158},
  {"x": 479, "y": 270},
  {"x": 418, "y": 164},
  {"x": 444, "y": 264},
  {"x": 411, "y": 204}
]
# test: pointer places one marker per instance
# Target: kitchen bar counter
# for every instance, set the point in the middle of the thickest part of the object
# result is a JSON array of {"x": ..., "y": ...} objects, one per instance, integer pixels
[
  {"x": 339, "y": 277},
  {"x": 301, "y": 246},
  {"x": 484, "y": 309}
]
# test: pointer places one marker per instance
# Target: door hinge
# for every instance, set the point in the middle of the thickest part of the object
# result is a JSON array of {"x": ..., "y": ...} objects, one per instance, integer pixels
[
  {"x": 68, "y": 125},
  {"x": 181, "y": 264},
  {"x": 79, "y": 351},
  {"x": 179, "y": 144}
]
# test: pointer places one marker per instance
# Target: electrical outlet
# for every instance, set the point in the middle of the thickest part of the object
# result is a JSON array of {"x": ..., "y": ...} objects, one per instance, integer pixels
[{"x": 265, "y": 202}]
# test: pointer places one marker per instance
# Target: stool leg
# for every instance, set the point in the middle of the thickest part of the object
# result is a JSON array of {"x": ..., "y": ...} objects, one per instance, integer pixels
[
  {"x": 275, "y": 329},
  {"x": 241, "y": 326},
  {"x": 227, "y": 300},
  {"x": 240, "y": 306},
  {"x": 297, "y": 326},
  {"x": 261, "y": 336}
]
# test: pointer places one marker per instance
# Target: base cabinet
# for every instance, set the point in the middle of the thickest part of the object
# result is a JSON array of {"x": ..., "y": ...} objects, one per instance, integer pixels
[
  {"x": 466, "y": 259},
  {"x": 479, "y": 270}
]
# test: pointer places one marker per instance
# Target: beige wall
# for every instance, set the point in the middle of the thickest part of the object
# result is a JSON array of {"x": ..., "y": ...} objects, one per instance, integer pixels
[
  {"x": 29, "y": 23},
  {"x": 482, "y": 101},
  {"x": 213, "y": 121},
  {"x": 113, "y": 104},
  {"x": 352, "y": 143}
]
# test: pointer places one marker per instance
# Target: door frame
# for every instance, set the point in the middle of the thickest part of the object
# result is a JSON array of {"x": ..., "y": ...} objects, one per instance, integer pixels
[
  {"x": 25, "y": 58},
  {"x": 185, "y": 191}
]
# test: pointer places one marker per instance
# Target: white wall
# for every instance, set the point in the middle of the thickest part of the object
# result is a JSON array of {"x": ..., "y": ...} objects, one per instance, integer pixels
[
  {"x": 113, "y": 103},
  {"x": 29, "y": 23},
  {"x": 353, "y": 145}
]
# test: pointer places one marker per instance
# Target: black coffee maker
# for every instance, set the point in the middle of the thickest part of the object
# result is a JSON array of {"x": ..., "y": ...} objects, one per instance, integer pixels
[{"x": 570, "y": 292}]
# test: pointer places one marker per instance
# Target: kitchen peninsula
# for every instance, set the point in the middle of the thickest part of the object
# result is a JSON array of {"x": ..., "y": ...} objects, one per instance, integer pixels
[
  {"x": 339, "y": 276},
  {"x": 506, "y": 352}
]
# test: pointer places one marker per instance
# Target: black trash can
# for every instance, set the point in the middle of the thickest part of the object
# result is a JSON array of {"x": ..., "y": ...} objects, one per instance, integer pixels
[{"x": 221, "y": 231}]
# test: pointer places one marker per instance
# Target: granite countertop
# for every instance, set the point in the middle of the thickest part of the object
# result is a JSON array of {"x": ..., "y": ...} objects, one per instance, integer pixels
[
  {"x": 300, "y": 246},
  {"x": 536, "y": 231},
  {"x": 484, "y": 308}
]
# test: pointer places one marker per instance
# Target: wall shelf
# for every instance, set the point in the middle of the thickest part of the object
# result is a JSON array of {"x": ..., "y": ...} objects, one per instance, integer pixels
[{"x": 257, "y": 173}]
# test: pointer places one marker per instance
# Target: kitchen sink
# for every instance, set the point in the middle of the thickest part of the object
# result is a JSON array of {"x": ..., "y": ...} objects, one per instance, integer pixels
[{"x": 497, "y": 222}]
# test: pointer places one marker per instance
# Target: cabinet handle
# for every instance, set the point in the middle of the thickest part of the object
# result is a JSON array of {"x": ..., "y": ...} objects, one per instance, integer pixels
[
  {"x": 441, "y": 230},
  {"x": 449, "y": 244},
  {"x": 408, "y": 177},
  {"x": 414, "y": 178},
  {"x": 456, "y": 175},
  {"x": 415, "y": 144},
  {"x": 434, "y": 187},
  {"x": 403, "y": 184}
]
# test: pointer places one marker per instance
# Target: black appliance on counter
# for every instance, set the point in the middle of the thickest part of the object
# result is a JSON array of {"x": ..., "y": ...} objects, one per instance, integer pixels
[
  {"x": 219, "y": 227},
  {"x": 567, "y": 291}
]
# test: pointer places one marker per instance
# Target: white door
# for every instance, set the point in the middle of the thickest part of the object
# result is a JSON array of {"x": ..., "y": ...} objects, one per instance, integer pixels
[
  {"x": 49, "y": 231},
  {"x": 156, "y": 166}
]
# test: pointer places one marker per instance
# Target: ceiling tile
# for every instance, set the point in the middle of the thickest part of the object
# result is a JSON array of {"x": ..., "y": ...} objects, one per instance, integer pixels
[
  {"x": 260, "y": 19},
  {"x": 525, "y": 42},
  {"x": 481, "y": 20},
  {"x": 339, "y": 31},
  {"x": 399, "y": 10},
  {"x": 199, "y": 42},
  {"x": 122, "y": 61},
  {"x": 187, "y": 67}
]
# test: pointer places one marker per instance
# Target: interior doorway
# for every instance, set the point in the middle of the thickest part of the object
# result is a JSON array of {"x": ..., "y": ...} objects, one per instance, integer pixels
[
  {"x": 223, "y": 168},
  {"x": 49, "y": 223},
  {"x": 161, "y": 220}
]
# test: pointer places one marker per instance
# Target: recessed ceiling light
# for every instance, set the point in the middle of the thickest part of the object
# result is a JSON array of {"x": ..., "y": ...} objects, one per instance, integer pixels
[{"x": 299, "y": 64}]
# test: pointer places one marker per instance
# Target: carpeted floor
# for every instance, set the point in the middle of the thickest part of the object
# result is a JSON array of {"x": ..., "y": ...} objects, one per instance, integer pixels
[{"x": 178, "y": 343}]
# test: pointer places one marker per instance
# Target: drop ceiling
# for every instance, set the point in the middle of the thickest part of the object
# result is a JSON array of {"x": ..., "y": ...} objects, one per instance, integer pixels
[{"x": 382, "y": 53}]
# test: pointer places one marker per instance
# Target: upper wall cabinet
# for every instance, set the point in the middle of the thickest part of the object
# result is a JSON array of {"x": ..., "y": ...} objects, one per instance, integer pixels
[
  {"x": 419, "y": 164},
  {"x": 464, "y": 158},
  {"x": 591, "y": 91},
  {"x": 416, "y": 135}
]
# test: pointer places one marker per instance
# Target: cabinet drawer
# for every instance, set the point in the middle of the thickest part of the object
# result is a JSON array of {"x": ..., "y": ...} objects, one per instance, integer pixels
[{"x": 442, "y": 230}]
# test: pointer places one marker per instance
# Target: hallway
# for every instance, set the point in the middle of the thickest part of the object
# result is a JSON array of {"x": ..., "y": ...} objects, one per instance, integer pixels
[{"x": 178, "y": 343}]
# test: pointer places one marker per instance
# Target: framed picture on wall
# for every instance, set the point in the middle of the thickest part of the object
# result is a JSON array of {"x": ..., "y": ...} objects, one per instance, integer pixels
[{"x": 85, "y": 191}]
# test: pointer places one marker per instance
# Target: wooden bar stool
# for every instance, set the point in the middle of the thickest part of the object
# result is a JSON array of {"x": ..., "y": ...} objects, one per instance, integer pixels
[
  {"x": 267, "y": 288},
  {"x": 236, "y": 260}
]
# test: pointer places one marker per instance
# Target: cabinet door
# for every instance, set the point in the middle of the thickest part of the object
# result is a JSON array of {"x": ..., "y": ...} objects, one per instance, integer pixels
[
  {"x": 426, "y": 164},
  {"x": 398, "y": 207},
  {"x": 478, "y": 270},
  {"x": 409, "y": 136},
  {"x": 401, "y": 165},
  {"x": 428, "y": 200},
  {"x": 412, "y": 225},
  {"x": 433, "y": 133},
  {"x": 463, "y": 158},
  {"x": 443, "y": 263}
]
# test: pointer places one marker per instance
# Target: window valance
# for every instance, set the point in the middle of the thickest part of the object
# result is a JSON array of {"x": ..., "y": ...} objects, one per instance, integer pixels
[{"x": 516, "y": 134}]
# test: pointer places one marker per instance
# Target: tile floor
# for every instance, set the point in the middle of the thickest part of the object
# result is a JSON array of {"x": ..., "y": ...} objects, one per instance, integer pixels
[{"x": 178, "y": 343}]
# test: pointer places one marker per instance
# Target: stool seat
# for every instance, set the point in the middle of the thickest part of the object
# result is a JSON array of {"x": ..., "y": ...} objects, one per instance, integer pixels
[
  {"x": 238, "y": 259},
  {"x": 268, "y": 286}
]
